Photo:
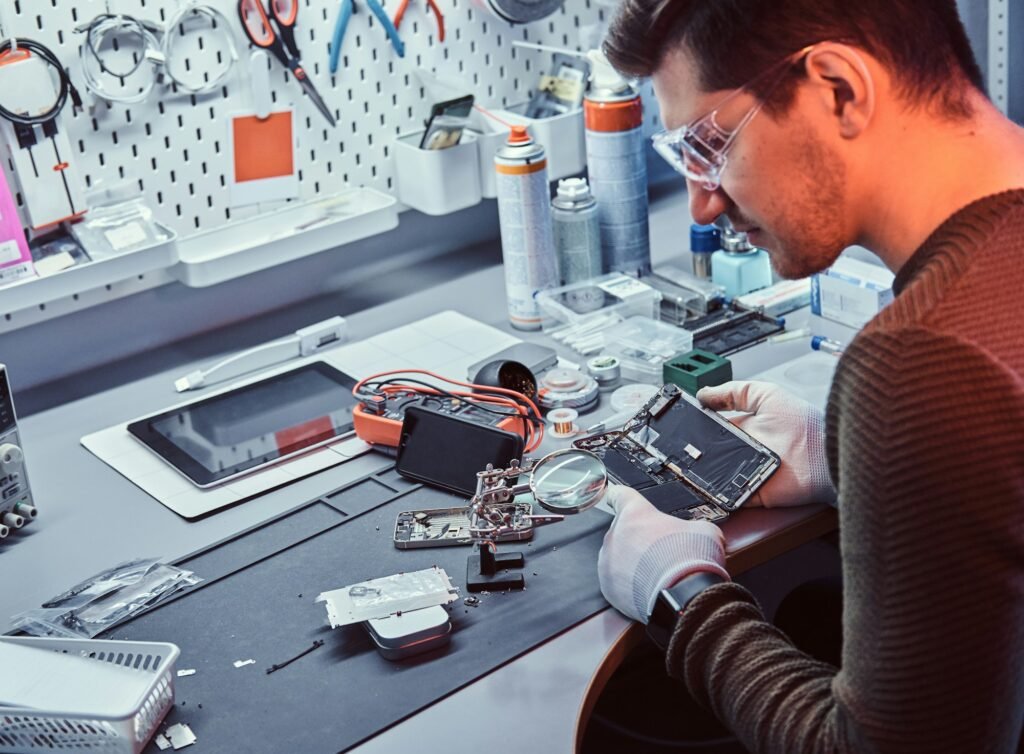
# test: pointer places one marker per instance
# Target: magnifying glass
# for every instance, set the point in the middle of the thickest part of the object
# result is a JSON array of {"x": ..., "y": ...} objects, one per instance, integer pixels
[{"x": 568, "y": 481}]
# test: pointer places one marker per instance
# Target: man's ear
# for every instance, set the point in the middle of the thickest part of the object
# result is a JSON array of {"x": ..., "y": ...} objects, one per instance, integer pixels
[{"x": 844, "y": 84}]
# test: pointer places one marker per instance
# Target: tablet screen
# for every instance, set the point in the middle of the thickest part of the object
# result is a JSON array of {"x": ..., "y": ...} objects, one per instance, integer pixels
[{"x": 217, "y": 438}]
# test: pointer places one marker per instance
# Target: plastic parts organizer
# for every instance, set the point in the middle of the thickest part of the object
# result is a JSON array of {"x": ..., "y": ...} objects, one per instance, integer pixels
[{"x": 125, "y": 731}]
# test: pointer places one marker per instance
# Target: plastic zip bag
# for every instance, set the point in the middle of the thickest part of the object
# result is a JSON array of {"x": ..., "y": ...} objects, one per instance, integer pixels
[{"x": 103, "y": 600}]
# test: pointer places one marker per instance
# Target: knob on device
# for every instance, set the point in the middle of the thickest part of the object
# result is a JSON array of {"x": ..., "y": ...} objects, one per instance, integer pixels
[{"x": 10, "y": 456}]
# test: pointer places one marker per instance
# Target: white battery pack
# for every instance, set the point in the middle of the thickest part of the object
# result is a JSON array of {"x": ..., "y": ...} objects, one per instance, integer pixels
[{"x": 50, "y": 186}]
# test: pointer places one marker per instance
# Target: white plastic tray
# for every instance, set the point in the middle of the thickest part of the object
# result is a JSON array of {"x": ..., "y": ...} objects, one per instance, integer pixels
[
  {"x": 83, "y": 277},
  {"x": 286, "y": 234}
]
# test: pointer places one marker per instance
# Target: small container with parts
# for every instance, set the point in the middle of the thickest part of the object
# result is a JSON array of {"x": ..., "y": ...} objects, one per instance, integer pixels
[{"x": 643, "y": 345}]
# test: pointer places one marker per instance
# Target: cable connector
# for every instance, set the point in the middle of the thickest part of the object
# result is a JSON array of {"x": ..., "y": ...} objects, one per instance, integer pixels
[
  {"x": 322, "y": 335},
  {"x": 304, "y": 342}
]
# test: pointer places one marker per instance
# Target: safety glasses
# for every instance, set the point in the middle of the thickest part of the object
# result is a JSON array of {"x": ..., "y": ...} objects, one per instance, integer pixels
[{"x": 699, "y": 150}]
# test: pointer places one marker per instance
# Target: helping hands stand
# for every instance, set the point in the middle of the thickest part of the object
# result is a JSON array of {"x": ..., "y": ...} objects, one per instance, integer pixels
[{"x": 489, "y": 518}]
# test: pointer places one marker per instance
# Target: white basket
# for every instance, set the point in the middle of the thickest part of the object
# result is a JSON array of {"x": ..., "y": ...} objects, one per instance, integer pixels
[{"x": 34, "y": 730}]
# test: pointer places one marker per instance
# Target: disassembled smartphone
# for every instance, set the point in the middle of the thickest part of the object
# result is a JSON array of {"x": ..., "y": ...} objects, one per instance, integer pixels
[
  {"x": 445, "y": 527},
  {"x": 689, "y": 461}
]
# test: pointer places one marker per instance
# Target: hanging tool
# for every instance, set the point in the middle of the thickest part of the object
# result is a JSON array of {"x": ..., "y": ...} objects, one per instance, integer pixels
[
  {"x": 431, "y": 5},
  {"x": 282, "y": 43},
  {"x": 346, "y": 9}
]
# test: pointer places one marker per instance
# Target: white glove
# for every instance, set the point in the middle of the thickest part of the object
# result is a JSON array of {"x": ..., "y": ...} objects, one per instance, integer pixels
[
  {"x": 790, "y": 426},
  {"x": 646, "y": 551}
]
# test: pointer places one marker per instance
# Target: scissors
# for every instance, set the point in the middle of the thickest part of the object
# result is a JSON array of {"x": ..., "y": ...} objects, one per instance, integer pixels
[
  {"x": 282, "y": 43},
  {"x": 348, "y": 7}
]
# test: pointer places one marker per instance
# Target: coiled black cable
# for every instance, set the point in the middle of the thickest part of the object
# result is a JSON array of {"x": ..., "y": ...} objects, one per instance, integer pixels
[{"x": 66, "y": 87}]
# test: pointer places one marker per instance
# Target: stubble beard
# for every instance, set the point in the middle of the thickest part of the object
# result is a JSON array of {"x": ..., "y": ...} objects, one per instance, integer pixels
[{"x": 808, "y": 235}]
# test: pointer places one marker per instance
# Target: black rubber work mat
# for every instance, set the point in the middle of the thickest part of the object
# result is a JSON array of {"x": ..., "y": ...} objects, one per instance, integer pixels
[{"x": 257, "y": 602}]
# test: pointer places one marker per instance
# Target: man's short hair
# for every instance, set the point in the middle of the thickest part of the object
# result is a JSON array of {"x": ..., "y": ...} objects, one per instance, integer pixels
[{"x": 922, "y": 43}]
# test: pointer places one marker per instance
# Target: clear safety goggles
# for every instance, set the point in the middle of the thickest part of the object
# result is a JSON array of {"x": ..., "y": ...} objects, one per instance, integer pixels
[{"x": 699, "y": 150}]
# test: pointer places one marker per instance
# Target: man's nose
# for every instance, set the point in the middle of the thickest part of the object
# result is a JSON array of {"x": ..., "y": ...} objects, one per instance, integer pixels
[{"x": 706, "y": 205}]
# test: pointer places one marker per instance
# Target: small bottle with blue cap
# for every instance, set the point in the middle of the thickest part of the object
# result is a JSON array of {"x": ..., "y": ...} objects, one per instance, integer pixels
[{"x": 705, "y": 240}]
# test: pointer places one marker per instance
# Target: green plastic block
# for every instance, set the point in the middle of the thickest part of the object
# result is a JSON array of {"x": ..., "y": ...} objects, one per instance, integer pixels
[{"x": 696, "y": 369}]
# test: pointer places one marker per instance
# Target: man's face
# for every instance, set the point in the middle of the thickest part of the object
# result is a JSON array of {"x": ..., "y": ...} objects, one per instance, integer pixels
[{"x": 783, "y": 183}]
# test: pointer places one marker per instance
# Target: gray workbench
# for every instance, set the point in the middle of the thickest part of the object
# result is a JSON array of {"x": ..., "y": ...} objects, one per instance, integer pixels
[{"x": 91, "y": 517}]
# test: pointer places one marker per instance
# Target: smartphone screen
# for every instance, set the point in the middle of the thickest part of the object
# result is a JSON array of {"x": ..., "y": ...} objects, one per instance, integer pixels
[
  {"x": 447, "y": 451},
  {"x": 446, "y": 123}
]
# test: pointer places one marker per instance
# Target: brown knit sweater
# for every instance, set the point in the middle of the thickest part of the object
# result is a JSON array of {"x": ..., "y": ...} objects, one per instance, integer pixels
[{"x": 925, "y": 439}]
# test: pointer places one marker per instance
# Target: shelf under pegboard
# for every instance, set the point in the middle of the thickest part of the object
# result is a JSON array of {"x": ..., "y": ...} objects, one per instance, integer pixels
[{"x": 174, "y": 147}]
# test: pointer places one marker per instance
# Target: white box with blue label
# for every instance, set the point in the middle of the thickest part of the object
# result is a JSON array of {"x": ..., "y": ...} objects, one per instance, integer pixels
[{"x": 851, "y": 292}]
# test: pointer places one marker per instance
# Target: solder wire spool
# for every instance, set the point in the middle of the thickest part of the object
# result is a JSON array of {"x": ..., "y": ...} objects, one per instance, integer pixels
[
  {"x": 606, "y": 370},
  {"x": 567, "y": 388},
  {"x": 563, "y": 421}
]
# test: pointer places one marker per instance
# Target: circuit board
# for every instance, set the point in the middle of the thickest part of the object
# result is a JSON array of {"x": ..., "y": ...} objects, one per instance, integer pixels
[
  {"x": 444, "y": 527},
  {"x": 688, "y": 460}
]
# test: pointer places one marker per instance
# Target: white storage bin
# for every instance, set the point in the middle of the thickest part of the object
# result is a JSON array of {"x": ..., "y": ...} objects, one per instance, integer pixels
[
  {"x": 438, "y": 181},
  {"x": 30, "y": 730},
  {"x": 561, "y": 136}
]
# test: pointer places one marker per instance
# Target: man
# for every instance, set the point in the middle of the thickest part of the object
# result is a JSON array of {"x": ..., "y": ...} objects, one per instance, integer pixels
[{"x": 814, "y": 125}]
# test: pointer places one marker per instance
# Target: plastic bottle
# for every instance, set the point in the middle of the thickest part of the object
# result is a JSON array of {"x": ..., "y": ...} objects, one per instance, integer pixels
[{"x": 740, "y": 267}]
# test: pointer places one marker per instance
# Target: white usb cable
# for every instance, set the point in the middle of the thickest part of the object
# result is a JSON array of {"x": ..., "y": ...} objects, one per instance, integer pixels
[{"x": 304, "y": 342}]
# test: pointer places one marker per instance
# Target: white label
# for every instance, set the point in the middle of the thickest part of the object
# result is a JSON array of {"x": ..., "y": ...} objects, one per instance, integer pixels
[
  {"x": 126, "y": 236},
  {"x": 54, "y": 263},
  {"x": 16, "y": 272},
  {"x": 9, "y": 252},
  {"x": 624, "y": 287}
]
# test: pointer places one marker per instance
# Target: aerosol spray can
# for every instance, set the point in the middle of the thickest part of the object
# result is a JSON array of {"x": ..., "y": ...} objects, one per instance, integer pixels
[
  {"x": 617, "y": 165},
  {"x": 524, "y": 213},
  {"x": 577, "y": 231}
]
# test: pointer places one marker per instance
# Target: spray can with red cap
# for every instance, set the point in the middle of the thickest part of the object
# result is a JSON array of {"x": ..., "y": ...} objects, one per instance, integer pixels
[{"x": 524, "y": 214}]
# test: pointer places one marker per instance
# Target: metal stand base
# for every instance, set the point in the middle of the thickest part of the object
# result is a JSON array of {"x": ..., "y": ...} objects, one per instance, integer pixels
[{"x": 486, "y": 570}]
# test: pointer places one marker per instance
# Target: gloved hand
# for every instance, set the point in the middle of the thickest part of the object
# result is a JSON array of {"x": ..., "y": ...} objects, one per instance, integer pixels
[
  {"x": 646, "y": 551},
  {"x": 791, "y": 427}
]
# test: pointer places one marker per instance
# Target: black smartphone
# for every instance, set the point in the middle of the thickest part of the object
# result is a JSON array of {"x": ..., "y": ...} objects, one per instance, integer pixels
[
  {"x": 447, "y": 451},
  {"x": 446, "y": 122}
]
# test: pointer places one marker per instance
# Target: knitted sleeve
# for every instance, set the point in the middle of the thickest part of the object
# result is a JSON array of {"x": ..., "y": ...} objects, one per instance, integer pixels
[{"x": 928, "y": 456}]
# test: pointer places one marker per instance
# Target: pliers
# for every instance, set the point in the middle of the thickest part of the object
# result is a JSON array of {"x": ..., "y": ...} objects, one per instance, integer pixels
[
  {"x": 431, "y": 5},
  {"x": 345, "y": 12}
]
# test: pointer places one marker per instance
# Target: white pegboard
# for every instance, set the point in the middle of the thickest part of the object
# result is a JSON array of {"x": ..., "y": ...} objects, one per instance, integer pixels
[
  {"x": 999, "y": 53},
  {"x": 174, "y": 146}
]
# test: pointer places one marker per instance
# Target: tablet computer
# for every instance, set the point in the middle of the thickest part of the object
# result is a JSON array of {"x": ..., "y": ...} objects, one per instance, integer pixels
[{"x": 216, "y": 439}]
